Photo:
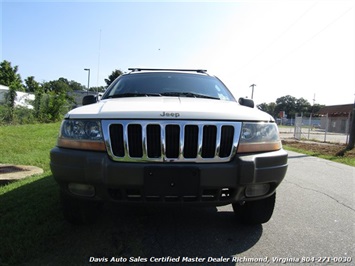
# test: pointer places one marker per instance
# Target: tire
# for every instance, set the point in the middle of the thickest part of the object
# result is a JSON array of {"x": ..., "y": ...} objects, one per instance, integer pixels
[
  {"x": 78, "y": 212},
  {"x": 255, "y": 212}
]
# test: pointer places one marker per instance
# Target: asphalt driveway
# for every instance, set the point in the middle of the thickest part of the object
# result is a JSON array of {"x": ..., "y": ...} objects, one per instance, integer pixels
[{"x": 313, "y": 222}]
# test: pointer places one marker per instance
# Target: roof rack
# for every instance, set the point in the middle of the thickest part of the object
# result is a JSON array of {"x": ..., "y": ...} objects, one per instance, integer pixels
[{"x": 136, "y": 69}]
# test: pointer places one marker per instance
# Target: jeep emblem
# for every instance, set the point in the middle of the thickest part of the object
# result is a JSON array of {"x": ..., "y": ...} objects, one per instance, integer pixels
[{"x": 166, "y": 114}]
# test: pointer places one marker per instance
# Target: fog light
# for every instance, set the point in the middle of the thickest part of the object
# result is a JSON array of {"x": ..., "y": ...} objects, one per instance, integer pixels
[
  {"x": 257, "y": 190},
  {"x": 82, "y": 189}
]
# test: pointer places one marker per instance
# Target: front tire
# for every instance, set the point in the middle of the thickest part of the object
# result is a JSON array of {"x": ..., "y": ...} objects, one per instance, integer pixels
[{"x": 255, "y": 212}]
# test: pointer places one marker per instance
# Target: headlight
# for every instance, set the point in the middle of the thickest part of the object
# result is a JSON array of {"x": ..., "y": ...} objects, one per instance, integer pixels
[
  {"x": 81, "y": 134},
  {"x": 256, "y": 137}
]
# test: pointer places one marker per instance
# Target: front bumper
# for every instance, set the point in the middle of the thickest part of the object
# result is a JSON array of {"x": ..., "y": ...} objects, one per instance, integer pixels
[{"x": 214, "y": 183}]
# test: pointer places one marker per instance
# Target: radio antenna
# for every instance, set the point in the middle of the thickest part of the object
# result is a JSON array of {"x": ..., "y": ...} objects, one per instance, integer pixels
[{"x": 98, "y": 64}]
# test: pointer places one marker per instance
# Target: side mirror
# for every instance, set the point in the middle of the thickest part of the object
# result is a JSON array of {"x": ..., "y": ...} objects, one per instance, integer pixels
[
  {"x": 89, "y": 99},
  {"x": 246, "y": 102}
]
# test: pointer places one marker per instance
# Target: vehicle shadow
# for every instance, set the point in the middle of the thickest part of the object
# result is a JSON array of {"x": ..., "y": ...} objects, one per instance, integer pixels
[
  {"x": 34, "y": 232},
  {"x": 179, "y": 232}
]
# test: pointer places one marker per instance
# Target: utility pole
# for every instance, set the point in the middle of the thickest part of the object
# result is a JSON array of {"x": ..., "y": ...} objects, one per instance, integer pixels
[
  {"x": 314, "y": 98},
  {"x": 252, "y": 91},
  {"x": 351, "y": 142}
]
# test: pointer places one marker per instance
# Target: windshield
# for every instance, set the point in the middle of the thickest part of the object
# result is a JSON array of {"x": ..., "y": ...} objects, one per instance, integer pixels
[{"x": 168, "y": 84}]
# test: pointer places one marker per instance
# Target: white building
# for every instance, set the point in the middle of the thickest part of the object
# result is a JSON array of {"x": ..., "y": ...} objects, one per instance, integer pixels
[{"x": 22, "y": 98}]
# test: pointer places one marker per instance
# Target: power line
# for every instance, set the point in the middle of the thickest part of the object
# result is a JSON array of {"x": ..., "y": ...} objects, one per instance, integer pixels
[
  {"x": 278, "y": 37},
  {"x": 98, "y": 61},
  {"x": 308, "y": 40}
]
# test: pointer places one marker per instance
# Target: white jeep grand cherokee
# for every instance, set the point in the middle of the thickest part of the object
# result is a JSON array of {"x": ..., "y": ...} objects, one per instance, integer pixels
[{"x": 168, "y": 136}]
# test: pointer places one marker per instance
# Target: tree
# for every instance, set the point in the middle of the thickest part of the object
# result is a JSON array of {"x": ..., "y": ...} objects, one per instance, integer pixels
[
  {"x": 286, "y": 103},
  {"x": 303, "y": 106},
  {"x": 57, "y": 86},
  {"x": 10, "y": 100},
  {"x": 31, "y": 85},
  {"x": 76, "y": 86},
  {"x": 8, "y": 75},
  {"x": 263, "y": 107},
  {"x": 37, "y": 102},
  {"x": 316, "y": 107},
  {"x": 11, "y": 95},
  {"x": 115, "y": 74},
  {"x": 272, "y": 107},
  {"x": 98, "y": 89},
  {"x": 268, "y": 108},
  {"x": 52, "y": 106},
  {"x": 53, "y": 98}
]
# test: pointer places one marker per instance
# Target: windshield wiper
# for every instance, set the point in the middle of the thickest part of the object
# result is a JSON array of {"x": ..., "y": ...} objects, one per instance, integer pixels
[
  {"x": 177, "y": 94},
  {"x": 133, "y": 94},
  {"x": 189, "y": 94}
]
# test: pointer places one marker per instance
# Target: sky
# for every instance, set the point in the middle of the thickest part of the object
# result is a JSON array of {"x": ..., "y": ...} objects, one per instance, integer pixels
[{"x": 300, "y": 48}]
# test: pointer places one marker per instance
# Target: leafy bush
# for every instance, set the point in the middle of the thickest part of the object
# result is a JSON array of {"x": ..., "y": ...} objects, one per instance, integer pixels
[
  {"x": 48, "y": 107},
  {"x": 52, "y": 107},
  {"x": 4, "y": 110},
  {"x": 18, "y": 115},
  {"x": 23, "y": 115}
]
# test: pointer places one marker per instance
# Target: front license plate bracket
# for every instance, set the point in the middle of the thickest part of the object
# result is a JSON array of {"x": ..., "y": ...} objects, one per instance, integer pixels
[{"x": 162, "y": 181}]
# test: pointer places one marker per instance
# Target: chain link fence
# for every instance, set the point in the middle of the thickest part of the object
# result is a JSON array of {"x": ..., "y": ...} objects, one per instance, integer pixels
[{"x": 333, "y": 129}]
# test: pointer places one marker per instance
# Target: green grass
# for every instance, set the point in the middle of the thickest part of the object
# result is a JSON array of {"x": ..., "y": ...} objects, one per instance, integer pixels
[
  {"x": 339, "y": 159},
  {"x": 28, "y": 209},
  {"x": 32, "y": 228},
  {"x": 28, "y": 144}
]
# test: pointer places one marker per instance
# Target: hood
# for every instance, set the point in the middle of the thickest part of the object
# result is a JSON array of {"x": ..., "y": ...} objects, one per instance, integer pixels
[{"x": 158, "y": 108}]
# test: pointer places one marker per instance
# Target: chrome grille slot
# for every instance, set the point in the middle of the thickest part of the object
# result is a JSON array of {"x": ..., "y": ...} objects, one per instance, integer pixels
[
  {"x": 191, "y": 141},
  {"x": 153, "y": 141},
  {"x": 171, "y": 141},
  {"x": 209, "y": 141},
  {"x": 116, "y": 136},
  {"x": 135, "y": 144},
  {"x": 226, "y": 141}
]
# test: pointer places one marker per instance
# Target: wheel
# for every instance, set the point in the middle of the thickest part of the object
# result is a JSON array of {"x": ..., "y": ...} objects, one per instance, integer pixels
[
  {"x": 255, "y": 212},
  {"x": 78, "y": 212}
]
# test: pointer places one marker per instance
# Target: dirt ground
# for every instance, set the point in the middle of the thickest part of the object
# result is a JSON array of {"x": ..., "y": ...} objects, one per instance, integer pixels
[{"x": 319, "y": 148}]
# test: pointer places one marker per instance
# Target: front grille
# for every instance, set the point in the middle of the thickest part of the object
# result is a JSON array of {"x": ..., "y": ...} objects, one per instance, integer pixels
[{"x": 171, "y": 141}]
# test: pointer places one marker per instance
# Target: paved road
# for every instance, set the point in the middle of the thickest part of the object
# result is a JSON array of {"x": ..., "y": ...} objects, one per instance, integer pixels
[{"x": 314, "y": 218}]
